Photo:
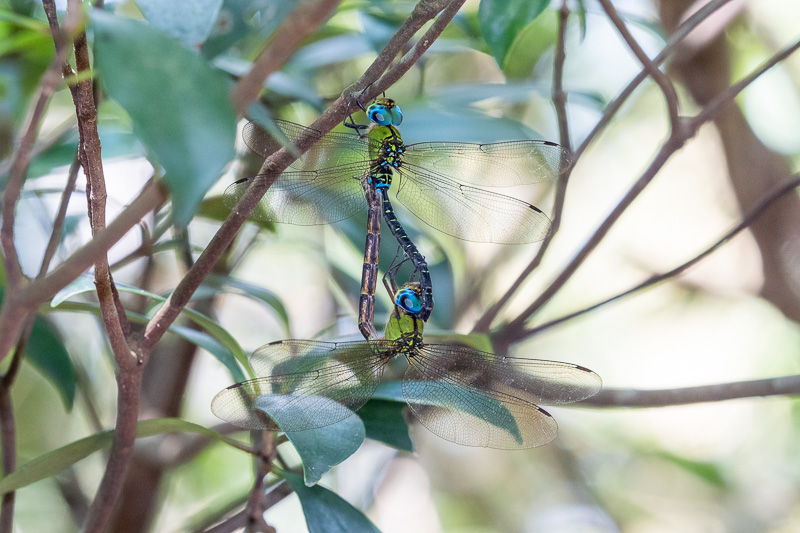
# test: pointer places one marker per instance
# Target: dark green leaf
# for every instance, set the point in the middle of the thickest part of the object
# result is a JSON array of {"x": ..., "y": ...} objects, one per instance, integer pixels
[
  {"x": 502, "y": 20},
  {"x": 212, "y": 346},
  {"x": 190, "y": 21},
  {"x": 178, "y": 103},
  {"x": 323, "y": 448},
  {"x": 326, "y": 512},
  {"x": 46, "y": 352},
  {"x": 54, "y": 462},
  {"x": 384, "y": 422}
]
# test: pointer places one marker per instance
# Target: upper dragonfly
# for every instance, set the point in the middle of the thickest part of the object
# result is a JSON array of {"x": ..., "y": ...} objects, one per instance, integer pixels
[{"x": 319, "y": 187}]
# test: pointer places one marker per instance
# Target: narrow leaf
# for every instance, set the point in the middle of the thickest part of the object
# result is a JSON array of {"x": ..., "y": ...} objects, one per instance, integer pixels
[
  {"x": 47, "y": 353},
  {"x": 54, "y": 462}
]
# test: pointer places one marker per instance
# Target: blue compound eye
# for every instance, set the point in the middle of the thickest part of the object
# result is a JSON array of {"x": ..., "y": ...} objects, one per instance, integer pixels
[
  {"x": 384, "y": 112},
  {"x": 409, "y": 301},
  {"x": 379, "y": 115}
]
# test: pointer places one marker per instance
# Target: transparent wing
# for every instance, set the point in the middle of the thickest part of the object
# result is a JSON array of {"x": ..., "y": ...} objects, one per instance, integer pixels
[
  {"x": 469, "y": 213},
  {"x": 306, "y": 384},
  {"x": 306, "y": 198},
  {"x": 329, "y": 150},
  {"x": 502, "y": 164},
  {"x": 475, "y": 398}
]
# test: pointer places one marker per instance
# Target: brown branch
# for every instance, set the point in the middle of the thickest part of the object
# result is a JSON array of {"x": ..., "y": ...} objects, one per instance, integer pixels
[
  {"x": 672, "y": 43},
  {"x": 746, "y": 221},
  {"x": 238, "y": 521},
  {"x": 273, "y": 166},
  {"x": 726, "y": 97},
  {"x": 301, "y": 22},
  {"x": 514, "y": 330},
  {"x": 664, "y": 83},
  {"x": 781, "y": 386},
  {"x": 559, "y": 98},
  {"x": 148, "y": 199},
  {"x": 50, "y": 81}
]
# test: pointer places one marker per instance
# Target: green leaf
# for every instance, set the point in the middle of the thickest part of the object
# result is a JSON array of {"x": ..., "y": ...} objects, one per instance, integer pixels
[
  {"x": 323, "y": 448},
  {"x": 85, "y": 284},
  {"x": 251, "y": 291},
  {"x": 57, "y": 460},
  {"x": 212, "y": 346},
  {"x": 501, "y": 21},
  {"x": 529, "y": 45},
  {"x": 47, "y": 353},
  {"x": 179, "y": 105},
  {"x": 190, "y": 21},
  {"x": 326, "y": 512},
  {"x": 384, "y": 422}
]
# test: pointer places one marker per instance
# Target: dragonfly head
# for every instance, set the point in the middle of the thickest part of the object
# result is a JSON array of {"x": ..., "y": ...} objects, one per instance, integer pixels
[
  {"x": 385, "y": 112},
  {"x": 409, "y": 298}
]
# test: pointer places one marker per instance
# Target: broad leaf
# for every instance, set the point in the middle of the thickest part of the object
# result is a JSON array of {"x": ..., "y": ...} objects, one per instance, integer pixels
[
  {"x": 323, "y": 448},
  {"x": 188, "y": 20},
  {"x": 384, "y": 422},
  {"x": 529, "y": 45},
  {"x": 186, "y": 120},
  {"x": 326, "y": 512},
  {"x": 502, "y": 20}
]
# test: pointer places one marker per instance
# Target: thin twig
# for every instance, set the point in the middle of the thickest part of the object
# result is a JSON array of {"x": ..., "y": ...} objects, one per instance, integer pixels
[
  {"x": 748, "y": 219},
  {"x": 301, "y": 22},
  {"x": 560, "y": 103},
  {"x": 675, "y": 39},
  {"x": 726, "y": 97},
  {"x": 781, "y": 386},
  {"x": 515, "y": 330},
  {"x": 273, "y": 166},
  {"x": 661, "y": 79},
  {"x": 61, "y": 215}
]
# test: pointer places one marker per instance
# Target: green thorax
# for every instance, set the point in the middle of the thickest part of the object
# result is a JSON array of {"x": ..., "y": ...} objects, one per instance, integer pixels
[
  {"x": 405, "y": 328},
  {"x": 386, "y": 153}
]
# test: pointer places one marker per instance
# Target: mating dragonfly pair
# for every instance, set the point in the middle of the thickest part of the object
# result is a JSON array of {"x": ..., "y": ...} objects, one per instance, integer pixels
[{"x": 459, "y": 393}]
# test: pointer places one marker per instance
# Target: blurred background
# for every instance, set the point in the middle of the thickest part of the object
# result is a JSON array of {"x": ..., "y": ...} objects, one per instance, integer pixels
[{"x": 718, "y": 467}]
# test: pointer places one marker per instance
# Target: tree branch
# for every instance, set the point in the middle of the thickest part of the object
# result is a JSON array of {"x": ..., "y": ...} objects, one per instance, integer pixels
[
  {"x": 658, "y": 278},
  {"x": 781, "y": 386},
  {"x": 298, "y": 25},
  {"x": 670, "y": 96},
  {"x": 276, "y": 164}
]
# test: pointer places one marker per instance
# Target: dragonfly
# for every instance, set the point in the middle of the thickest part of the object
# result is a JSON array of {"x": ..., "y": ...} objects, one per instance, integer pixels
[
  {"x": 464, "y": 395},
  {"x": 319, "y": 187}
]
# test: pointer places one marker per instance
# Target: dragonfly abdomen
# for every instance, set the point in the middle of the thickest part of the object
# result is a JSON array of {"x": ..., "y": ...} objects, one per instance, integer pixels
[{"x": 411, "y": 251}]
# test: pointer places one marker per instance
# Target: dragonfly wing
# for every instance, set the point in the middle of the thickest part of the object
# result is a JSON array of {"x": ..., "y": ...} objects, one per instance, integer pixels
[
  {"x": 306, "y": 198},
  {"x": 310, "y": 385},
  {"x": 469, "y": 213},
  {"x": 502, "y": 164},
  {"x": 329, "y": 150},
  {"x": 475, "y": 398}
]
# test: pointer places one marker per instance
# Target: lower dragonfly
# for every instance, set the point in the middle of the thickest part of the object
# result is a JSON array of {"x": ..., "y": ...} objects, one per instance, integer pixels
[{"x": 461, "y": 394}]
